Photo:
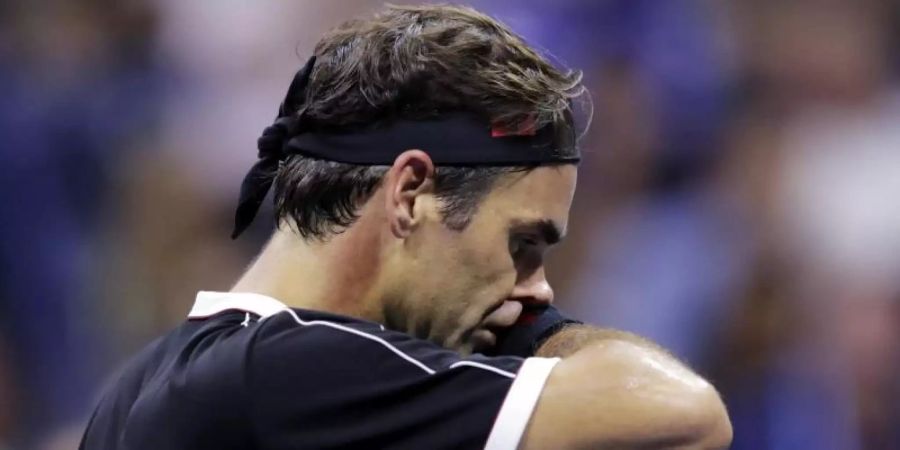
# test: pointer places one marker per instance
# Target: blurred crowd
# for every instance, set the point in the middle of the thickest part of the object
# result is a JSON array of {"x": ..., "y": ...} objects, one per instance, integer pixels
[{"x": 739, "y": 199}]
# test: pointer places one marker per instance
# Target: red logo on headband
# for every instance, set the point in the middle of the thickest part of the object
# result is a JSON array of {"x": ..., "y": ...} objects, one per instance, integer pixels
[{"x": 525, "y": 128}]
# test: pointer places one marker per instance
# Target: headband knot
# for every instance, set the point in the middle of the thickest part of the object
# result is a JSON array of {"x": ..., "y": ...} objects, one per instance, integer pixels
[
  {"x": 272, "y": 143},
  {"x": 271, "y": 147}
]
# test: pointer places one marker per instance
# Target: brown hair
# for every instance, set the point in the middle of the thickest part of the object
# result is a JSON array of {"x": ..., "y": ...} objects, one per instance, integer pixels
[{"x": 414, "y": 62}]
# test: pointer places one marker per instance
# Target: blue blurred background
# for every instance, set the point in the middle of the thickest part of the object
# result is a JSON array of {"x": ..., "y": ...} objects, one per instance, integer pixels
[{"x": 739, "y": 201}]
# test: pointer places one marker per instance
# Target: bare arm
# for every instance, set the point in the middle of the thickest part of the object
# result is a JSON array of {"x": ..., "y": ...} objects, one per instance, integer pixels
[{"x": 616, "y": 390}]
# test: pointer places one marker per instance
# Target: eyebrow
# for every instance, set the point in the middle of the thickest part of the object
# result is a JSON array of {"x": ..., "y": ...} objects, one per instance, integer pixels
[{"x": 549, "y": 231}]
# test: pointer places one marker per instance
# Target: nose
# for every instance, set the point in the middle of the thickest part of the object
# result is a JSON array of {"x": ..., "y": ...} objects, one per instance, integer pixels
[{"x": 533, "y": 289}]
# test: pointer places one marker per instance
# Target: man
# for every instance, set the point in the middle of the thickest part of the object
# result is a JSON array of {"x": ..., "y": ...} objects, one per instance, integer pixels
[{"x": 424, "y": 161}]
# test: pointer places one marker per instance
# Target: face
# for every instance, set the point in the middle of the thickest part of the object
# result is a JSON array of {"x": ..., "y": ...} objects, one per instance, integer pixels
[{"x": 460, "y": 287}]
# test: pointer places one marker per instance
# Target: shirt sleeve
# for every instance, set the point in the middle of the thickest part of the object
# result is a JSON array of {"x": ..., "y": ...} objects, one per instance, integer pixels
[{"x": 317, "y": 383}]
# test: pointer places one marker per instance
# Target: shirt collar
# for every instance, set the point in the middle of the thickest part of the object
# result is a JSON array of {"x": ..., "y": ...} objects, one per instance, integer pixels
[{"x": 210, "y": 303}]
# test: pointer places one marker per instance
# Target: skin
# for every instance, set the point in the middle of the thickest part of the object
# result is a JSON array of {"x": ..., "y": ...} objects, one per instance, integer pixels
[{"x": 399, "y": 265}]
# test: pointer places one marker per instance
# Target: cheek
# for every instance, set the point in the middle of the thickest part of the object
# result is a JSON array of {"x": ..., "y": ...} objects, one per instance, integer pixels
[
  {"x": 491, "y": 270},
  {"x": 468, "y": 267}
]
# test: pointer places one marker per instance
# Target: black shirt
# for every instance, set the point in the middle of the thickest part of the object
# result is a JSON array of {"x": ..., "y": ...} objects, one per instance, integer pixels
[{"x": 247, "y": 372}]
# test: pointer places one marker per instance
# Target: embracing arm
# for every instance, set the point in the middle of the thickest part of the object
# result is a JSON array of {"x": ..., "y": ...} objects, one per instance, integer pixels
[{"x": 616, "y": 390}]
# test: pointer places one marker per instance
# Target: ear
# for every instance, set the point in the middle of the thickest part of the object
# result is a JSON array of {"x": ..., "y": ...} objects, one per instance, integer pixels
[{"x": 411, "y": 176}]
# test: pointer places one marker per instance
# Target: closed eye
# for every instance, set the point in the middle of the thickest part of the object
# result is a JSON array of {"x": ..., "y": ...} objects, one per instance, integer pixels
[
  {"x": 542, "y": 231},
  {"x": 527, "y": 249}
]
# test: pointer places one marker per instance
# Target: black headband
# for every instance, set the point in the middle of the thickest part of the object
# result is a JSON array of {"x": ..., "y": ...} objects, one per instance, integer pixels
[
  {"x": 455, "y": 139},
  {"x": 451, "y": 139}
]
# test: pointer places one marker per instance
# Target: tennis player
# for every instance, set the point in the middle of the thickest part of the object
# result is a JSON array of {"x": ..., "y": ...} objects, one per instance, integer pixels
[{"x": 423, "y": 161}]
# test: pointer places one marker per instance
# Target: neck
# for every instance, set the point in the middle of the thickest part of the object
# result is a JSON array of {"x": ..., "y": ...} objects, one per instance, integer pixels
[{"x": 333, "y": 276}]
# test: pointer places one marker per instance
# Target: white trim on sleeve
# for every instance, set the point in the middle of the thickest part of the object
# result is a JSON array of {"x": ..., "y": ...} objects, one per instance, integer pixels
[
  {"x": 483, "y": 366},
  {"x": 519, "y": 404}
]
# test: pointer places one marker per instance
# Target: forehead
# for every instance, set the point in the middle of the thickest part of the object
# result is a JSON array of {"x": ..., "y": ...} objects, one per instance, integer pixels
[{"x": 542, "y": 194}]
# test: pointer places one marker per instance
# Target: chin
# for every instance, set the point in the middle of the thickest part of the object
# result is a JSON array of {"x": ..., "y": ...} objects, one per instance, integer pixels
[
  {"x": 482, "y": 341},
  {"x": 464, "y": 347},
  {"x": 467, "y": 341}
]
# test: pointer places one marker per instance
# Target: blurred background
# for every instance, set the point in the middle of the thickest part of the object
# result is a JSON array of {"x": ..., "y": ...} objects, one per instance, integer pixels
[{"x": 739, "y": 199}]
